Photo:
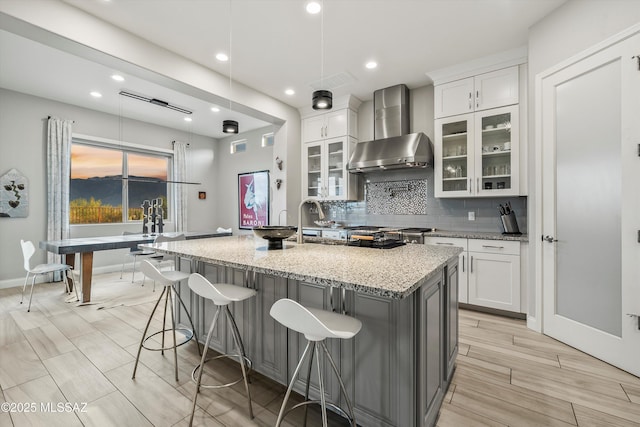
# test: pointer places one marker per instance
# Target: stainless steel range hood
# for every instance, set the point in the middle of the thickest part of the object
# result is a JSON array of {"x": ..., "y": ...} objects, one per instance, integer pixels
[{"x": 393, "y": 147}]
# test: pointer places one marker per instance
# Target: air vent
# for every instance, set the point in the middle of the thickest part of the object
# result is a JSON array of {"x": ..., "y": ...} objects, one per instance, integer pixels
[
  {"x": 155, "y": 101},
  {"x": 333, "y": 82}
]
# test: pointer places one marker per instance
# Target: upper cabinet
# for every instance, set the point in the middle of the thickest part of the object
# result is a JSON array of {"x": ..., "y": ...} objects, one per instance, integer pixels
[
  {"x": 482, "y": 92},
  {"x": 330, "y": 125},
  {"x": 328, "y": 141}
]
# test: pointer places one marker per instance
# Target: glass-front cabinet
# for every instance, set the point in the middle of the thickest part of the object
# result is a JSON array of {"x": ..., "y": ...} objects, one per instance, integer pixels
[
  {"x": 477, "y": 154},
  {"x": 325, "y": 170}
]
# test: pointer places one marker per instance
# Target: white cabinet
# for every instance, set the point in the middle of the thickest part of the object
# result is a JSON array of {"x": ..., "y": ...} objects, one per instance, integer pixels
[
  {"x": 329, "y": 125},
  {"x": 484, "y": 91},
  {"x": 488, "y": 272},
  {"x": 477, "y": 154},
  {"x": 494, "y": 274},
  {"x": 324, "y": 166}
]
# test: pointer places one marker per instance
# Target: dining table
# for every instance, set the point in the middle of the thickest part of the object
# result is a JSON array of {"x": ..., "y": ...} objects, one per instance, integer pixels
[{"x": 86, "y": 246}]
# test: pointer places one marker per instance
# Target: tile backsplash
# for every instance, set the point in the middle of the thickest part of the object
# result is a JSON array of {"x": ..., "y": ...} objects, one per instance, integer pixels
[{"x": 404, "y": 198}]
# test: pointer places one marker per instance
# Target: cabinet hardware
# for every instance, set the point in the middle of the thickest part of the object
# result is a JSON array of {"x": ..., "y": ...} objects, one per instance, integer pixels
[
  {"x": 637, "y": 316},
  {"x": 444, "y": 243},
  {"x": 637, "y": 57},
  {"x": 463, "y": 261},
  {"x": 344, "y": 299},
  {"x": 477, "y": 99},
  {"x": 331, "y": 299},
  {"x": 471, "y": 264},
  {"x": 493, "y": 247},
  {"x": 470, "y": 184},
  {"x": 638, "y": 236},
  {"x": 470, "y": 104},
  {"x": 478, "y": 185}
]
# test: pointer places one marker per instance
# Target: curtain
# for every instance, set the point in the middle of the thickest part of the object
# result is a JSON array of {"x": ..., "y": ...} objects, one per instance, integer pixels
[
  {"x": 58, "y": 174},
  {"x": 180, "y": 190}
]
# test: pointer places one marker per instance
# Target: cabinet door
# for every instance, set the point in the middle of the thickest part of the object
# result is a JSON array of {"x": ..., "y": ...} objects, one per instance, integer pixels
[
  {"x": 463, "y": 277},
  {"x": 453, "y": 152},
  {"x": 336, "y": 171},
  {"x": 336, "y": 124},
  {"x": 268, "y": 349},
  {"x": 431, "y": 353},
  {"x": 312, "y": 165},
  {"x": 451, "y": 313},
  {"x": 494, "y": 280},
  {"x": 497, "y": 152},
  {"x": 313, "y": 128},
  {"x": 496, "y": 89},
  {"x": 454, "y": 98}
]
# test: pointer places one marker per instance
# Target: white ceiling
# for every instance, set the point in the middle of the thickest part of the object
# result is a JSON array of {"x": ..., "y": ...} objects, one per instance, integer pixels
[{"x": 276, "y": 44}]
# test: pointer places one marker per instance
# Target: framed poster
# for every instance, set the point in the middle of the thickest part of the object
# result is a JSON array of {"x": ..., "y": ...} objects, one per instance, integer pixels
[
  {"x": 14, "y": 195},
  {"x": 253, "y": 199}
]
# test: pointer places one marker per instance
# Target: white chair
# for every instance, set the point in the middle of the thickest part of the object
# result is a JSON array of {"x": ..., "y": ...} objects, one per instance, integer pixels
[
  {"x": 221, "y": 294},
  {"x": 135, "y": 253},
  {"x": 167, "y": 279},
  {"x": 316, "y": 325},
  {"x": 28, "y": 249},
  {"x": 161, "y": 261}
]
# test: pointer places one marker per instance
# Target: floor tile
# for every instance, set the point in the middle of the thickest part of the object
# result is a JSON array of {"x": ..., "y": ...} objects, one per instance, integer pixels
[
  {"x": 19, "y": 364},
  {"x": 48, "y": 341},
  {"x": 113, "y": 410}
]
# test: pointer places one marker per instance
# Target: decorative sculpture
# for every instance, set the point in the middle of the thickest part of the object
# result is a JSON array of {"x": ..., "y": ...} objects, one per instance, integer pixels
[{"x": 152, "y": 213}]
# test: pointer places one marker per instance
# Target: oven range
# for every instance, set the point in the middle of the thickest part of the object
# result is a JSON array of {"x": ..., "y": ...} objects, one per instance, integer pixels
[{"x": 371, "y": 235}]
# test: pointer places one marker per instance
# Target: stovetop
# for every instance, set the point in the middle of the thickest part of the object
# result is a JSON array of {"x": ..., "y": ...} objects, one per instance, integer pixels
[{"x": 379, "y": 244}]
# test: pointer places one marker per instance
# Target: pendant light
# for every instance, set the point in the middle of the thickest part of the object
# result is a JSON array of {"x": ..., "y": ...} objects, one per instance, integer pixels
[
  {"x": 322, "y": 99},
  {"x": 230, "y": 126}
]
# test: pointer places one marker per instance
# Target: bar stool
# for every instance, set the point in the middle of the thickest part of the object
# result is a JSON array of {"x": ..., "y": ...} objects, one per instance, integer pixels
[
  {"x": 221, "y": 294},
  {"x": 167, "y": 279},
  {"x": 316, "y": 325}
]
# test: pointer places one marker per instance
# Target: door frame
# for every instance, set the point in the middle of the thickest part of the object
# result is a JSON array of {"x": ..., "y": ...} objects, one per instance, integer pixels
[{"x": 535, "y": 317}]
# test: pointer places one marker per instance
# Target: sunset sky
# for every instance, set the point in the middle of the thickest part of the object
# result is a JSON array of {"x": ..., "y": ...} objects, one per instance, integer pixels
[{"x": 89, "y": 162}]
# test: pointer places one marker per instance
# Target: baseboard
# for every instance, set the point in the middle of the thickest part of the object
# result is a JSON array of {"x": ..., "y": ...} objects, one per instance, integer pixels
[{"x": 12, "y": 283}]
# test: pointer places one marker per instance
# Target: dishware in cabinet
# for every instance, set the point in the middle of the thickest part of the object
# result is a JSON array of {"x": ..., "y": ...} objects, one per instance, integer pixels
[
  {"x": 325, "y": 173},
  {"x": 477, "y": 154},
  {"x": 497, "y": 152},
  {"x": 453, "y": 154}
]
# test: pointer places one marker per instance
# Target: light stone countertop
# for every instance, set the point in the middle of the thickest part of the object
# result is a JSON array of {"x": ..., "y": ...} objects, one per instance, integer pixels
[
  {"x": 478, "y": 235},
  {"x": 390, "y": 273}
]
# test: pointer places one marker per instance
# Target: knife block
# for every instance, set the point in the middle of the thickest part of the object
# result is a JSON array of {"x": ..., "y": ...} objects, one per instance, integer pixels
[{"x": 509, "y": 223}]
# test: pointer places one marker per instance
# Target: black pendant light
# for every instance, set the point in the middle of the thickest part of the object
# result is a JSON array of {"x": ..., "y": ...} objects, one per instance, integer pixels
[
  {"x": 322, "y": 99},
  {"x": 230, "y": 126}
]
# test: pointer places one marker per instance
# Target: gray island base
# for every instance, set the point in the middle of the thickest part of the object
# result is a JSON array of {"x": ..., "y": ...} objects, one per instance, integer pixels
[{"x": 396, "y": 369}]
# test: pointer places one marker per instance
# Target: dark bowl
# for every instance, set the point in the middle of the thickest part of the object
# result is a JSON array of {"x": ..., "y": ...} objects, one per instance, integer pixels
[{"x": 275, "y": 234}]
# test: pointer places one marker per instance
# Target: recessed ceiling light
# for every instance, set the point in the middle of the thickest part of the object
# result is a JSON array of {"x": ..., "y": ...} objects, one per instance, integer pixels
[
  {"x": 290, "y": 92},
  {"x": 313, "y": 7},
  {"x": 222, "y": 57},
  {"x": 371, "y": 65},
  {"x": 117, "y": 77},
  {"x": 188, "y": 119},
  {"x": 215, "y": 109},
  {"x": 96, "y": 94}
]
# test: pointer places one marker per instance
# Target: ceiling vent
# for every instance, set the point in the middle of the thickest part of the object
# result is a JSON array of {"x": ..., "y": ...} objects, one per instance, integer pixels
[
  {"x": 155, "y": 101},
  {"x": 333, "y": 82}
]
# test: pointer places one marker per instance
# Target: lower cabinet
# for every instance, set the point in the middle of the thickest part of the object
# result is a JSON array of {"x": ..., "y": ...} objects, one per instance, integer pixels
[
  {"x": 489, "y": 272},
  {"x": 396, "y": 369}
]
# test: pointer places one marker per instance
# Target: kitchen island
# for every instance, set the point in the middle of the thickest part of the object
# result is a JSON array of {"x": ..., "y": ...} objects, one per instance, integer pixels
[{"x": 397, "y": 369}]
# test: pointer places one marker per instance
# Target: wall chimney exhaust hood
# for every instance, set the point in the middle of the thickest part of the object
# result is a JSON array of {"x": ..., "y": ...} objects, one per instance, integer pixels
[{"x": 393, "y": 147}]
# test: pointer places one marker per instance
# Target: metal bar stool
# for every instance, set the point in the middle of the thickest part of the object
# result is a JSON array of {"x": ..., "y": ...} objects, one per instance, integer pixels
[
  {"x": 221, "y": 294},
  {"x": 167, "y": 279},
  {"x": 316, "y": 325}
]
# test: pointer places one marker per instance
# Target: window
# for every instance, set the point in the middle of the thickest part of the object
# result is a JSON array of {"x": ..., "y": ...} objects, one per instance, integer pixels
[
  {"x": 238, "y": 146},
  {"x": 108, "y": 184},
  {"x": 267, "y": 139}
]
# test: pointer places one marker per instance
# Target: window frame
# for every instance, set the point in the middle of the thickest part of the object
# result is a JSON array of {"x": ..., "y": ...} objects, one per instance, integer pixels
[{"x": 126, "y": 148}]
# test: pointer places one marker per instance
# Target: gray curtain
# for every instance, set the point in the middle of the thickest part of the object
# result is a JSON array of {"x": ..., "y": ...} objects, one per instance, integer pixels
[
  {"x": 180, "y": 190},
  {"x": 58, "y": 173}
]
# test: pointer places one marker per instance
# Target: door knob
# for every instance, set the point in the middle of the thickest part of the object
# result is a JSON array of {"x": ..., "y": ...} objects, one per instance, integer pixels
[{"x": 549, "y": 239}]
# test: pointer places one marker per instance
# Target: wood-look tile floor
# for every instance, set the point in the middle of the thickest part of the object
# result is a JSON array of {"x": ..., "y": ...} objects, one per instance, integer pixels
[{"x": 83, "y": 355}]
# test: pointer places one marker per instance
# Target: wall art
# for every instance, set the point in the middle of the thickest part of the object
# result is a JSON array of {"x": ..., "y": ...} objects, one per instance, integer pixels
[
  {"x": 14, "y": 195},
  {"x": 253, "y": 199}
]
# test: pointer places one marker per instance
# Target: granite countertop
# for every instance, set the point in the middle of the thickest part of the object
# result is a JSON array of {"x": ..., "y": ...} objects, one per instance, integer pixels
[
  {"x": 390, "y": 273},
  {"x": 478, "y": 235}
]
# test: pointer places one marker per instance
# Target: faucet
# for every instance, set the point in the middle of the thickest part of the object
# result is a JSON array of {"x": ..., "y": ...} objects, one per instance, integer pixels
[
  {"x": 280, "y": 213},
  {"x": 300, "y": 240}
]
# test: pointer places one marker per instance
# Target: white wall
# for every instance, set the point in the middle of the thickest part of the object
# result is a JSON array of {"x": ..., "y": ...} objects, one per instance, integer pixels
[
  {"x": 572, "y": 28},
  {"x": 228, "y": 166},
  {"x": 23, "y": 146}
]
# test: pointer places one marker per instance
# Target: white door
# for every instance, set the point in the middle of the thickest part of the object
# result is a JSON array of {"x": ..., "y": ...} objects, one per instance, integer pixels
[{"x": 591, "y": 203}]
